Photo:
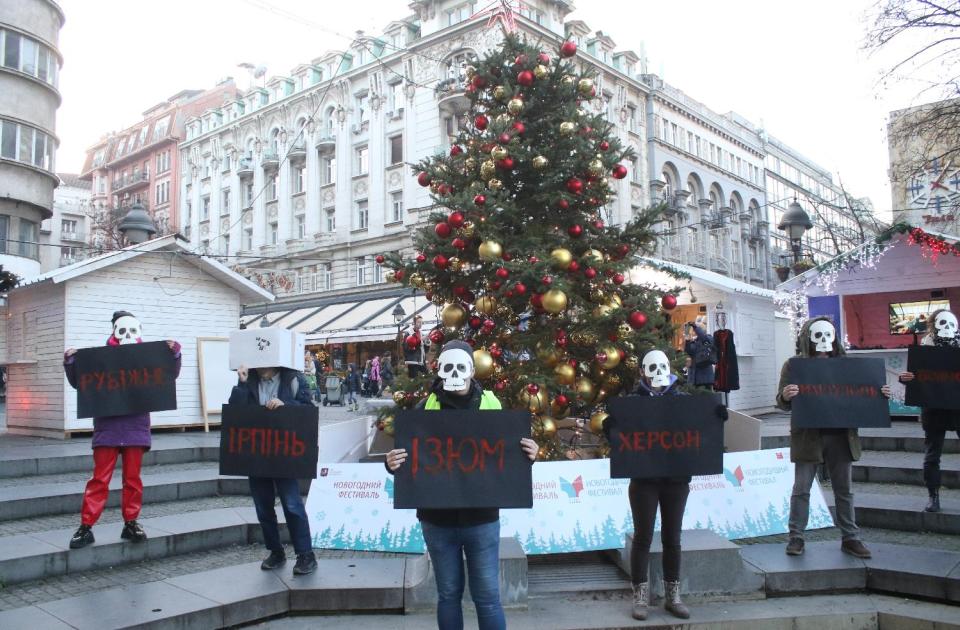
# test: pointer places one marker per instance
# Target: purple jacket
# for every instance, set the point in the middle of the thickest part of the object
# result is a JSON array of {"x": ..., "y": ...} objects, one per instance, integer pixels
[{"x": 119, "y": 431}]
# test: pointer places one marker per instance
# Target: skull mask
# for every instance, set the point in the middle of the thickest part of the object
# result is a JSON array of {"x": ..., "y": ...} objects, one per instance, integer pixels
[
  {"x": 656, "y": 367},
  {"x": 946, "y": 325},
  {"x": 127, "y": 329},
  {"x": 822, "y": 334},
  {"x": 456, "y": 369}
]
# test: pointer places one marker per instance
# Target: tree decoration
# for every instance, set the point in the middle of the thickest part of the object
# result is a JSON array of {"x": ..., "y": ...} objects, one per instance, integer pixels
[{"x": 668, "y": 302}]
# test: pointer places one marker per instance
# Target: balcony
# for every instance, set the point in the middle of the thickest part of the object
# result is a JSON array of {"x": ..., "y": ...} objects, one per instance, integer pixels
[
  {"x": 758, "y": 236},
  {"x": 270, "y": 160},
  {"x": 298, "y": 152},
  {"x": 756, "y": 275},
  {"x": 451, "y": 96},
  {"x": 245, "y": 167},
  {"x": 76, "y": 237},
  {"x": 131, "y": 181},
  {"x": 326, "y": 142},
  {"x": 719, "y": 265},
  {"x": 69, "y": 260}
]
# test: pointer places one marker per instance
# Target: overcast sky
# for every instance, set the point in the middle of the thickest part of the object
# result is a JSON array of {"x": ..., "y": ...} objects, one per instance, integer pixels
[{"x": 795, "y": 67}]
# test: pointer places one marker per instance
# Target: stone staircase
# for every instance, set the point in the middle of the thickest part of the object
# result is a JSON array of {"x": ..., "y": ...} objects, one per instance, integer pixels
[{"x": 200, "y": 566}]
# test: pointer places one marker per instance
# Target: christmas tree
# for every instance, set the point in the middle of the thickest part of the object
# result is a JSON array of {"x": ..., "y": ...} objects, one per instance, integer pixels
[{"x": 517, "y": 255}]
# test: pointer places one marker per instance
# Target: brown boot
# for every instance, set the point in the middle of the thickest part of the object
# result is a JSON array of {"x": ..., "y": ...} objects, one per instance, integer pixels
[
  {"x": 856, "y": 548},
  {"x": 795, "y": 547},
  {"x": 641, "y": 599},
  {"x": 672, "y": 602}
]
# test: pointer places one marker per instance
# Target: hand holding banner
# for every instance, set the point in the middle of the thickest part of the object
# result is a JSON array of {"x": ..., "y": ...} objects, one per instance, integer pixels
[
  {"x": 125, "y": 379},
  {"x": 838, "y": 393},
  {"x": 463, "y": 459}
]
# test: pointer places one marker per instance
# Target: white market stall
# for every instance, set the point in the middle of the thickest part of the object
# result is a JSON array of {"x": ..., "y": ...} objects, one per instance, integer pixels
[{"x": 176, "y": 295}]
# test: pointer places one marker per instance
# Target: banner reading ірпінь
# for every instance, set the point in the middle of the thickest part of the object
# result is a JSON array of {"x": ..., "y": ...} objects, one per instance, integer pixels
[{"x": 576, "y": 506}]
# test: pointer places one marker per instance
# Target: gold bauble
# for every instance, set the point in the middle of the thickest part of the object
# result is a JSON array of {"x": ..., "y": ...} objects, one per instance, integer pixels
[
  {"x": 453, "y": 315},
  {"x": 503, "y": 119},
  {"x": 498, "y": 153},
  {"x": 548, "y": 427},
  {"x": 456, "y": 264},
  {"x": 561, "y": 258},
  {"x": 499, "y": 93},
  {"x": 624, "y": 330},
  {"x": 469, "y": 165},
  {"x": 596, "y": 422},
  {"x": 416, "y": 280},
  {"x": 601, "y": 311},
  {"x": 388, "y": 427},
  {"x": 540, "y": 163},
  {"x": 541, "y": 72},
  {"x": 589, "y": 339},
  {"x": 548, "y": 355},
  {"x": 554, "y": 301},
  {"x": 399, "y": 397},
  {"x": 468, "y": 229},
  {"x": 483, "y": 364},
  {"x": 495, "y": 184},
  {"x": 565, "y": 374},
  {"x": 515, "y": 106},
  {"x": 488, "y": 169},
  {"x": 557, "y": 411},
  {"x": 585, "y": 87},
  {"x": 537, "y": 403},
  {"x": 567, "y": 128},
  {"x": 486, "y": 304},
  {"x": 597, "y": 296},
  {"x": 585, "y": 389},
  {"x": 614, "y": 301},
  {"x": 632, "y": 363},
  {"x": 567, "y": 80},
  {"x": 594, "y": 256},
  {"x": 613, "y": 357},
  {"x": 595, "y": 167},
  {"x": 490, "y": 251}
]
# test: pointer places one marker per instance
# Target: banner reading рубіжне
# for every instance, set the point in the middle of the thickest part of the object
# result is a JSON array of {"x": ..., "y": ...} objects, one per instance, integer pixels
[{"x": 576, "y": 506}]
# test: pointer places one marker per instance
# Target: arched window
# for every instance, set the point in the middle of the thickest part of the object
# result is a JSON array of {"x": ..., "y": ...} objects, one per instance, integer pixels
[
  {"x": 275, "y": 141},
  {"x": 330, "y": 120},
  {"x": 455, "y": 66}
]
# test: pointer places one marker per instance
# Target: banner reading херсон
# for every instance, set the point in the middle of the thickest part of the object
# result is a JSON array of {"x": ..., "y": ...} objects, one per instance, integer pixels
[{"x": 576, "y": 506}]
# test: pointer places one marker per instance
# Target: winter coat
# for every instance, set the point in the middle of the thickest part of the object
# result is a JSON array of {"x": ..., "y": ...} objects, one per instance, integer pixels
[
  {"x": 249, "y": 393},
  {"x": 386, "y": 373},
  {"x": 119, "y": 431},
  {"x": 940, "y": 419},
  {"x": 727, "y": 376},
  {"x": 699, "y": 374},
  {"x": 806, "y": 445},
  {"x": 375, "y": 369},
  {"x": 353, "y": 382}
]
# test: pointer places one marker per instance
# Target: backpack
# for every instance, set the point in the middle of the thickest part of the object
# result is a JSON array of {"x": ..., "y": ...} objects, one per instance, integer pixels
[{"x": 705, "y": 352}]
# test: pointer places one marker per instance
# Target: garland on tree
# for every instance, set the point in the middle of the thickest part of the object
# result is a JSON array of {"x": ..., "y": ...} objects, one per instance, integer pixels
[{"x": 519, "y": 257}]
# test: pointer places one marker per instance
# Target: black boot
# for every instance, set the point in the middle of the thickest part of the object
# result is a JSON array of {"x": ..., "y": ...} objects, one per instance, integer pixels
[
  {"x": 133, "y": 532},
  {"x": 933, "y": 505},
  {"x": 275, "y": 560},
  {"x": 306, "y": 563},
  {"x": 82, "y": 537}
]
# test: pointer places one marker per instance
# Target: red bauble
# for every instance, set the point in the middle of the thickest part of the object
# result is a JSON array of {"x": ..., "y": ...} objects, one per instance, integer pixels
[
  {"x": 442, "y": 229},
  {"x": 509, "y": 293},
  {"x": 536, "y": 300},
  {"x": 505, "y": 164},
  {"x": 525, "y": 78},
  {"x": 479, "y": 200},
  {"x": 544, "y": 58},
  {"x": 500, "y": 386},
  {"x": 440, "y": 261},
  {"x": 563, "y": 204},
  {"x": 479, "y": 82},
  {"x": 421, "y": 258},
  {"x": 507, "y": 256},
  {"x": 568, "y": 49},
  {"x": 519, "y": 127},
  {"x": 612, "y": 336},
  {"x": 424, "y": 179},
  {"x": 445, "y": 189},
  {"x": 379, "y": 258},
  {"x": 471, "y": 342},
  {"x": 533, "y": 260},
  {"x": 668, "y": 302},
  {"x": 459, "y": 243},
  {"x": 504, "y": 138},
  {"x": 459, "y": 290},
  {"x": 622, "y": 250},
  {"x": 520, "y": 288},
  {"x": 600, "y": 357},
  {"x": 547, "y": 280},
  {"x": 399, "y": 274},
  {"x": 455, "y": 150},
  {"x": 619, "y": 171},
  {"x": 533, "y": 389},
  {"x": 495, "y": 351},
  {"x": 520, "y": 60},
  {"x": 561, "y": 401},
  {"x": 618, "y": 278},
  {"x": 575, "y": 231},
  {"x": 502, "y": 273},
  {"x": 436, "y": 336},
  {"x": 475, "y": 322},
  {"x": 608, "y": 272},
  {"x": 456, "y": 219},
  {"x": 480, "y": 122},
  {"x": 413, "y": 341},
  {"x": 573, "y": 267},
  {"x": 496, "y": 284},
  {"x": 590, "y": 273},
  {"x": 598, "y": 224},
  {"x": 604, "y": 146},
  {"x": 488, "y": 325},
  {"x": 575, "y": 186},
  {"x": 487, "y": 147},
  {"x": 637, "y": 320}
]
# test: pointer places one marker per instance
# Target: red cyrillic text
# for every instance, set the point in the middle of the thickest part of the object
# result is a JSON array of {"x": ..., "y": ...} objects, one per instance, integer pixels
[
  {"x": 658, "y": 440},
  {"x": 265, "y": 442},
  {"x": 433, "y": 455}
]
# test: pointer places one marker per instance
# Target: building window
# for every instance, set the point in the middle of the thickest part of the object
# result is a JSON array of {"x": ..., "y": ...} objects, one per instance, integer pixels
[
  {"x": 460, "y": 13},
  {"x": 362, "y": 106},
  {"x": 204, "y": 207},
  {"x": 68, "y": 228},
  {"x": 28, "y": 56},
  {"x": 326, "y": 276},
  {"x": 162, "y": 192},
  {"x": 26, "y": 144},
  {"x": 331, "y": 220},
  {"x": 301, "y": 226},
  {"x": 396, "y": 149},
  {"x": 362, "y": 215},
  {"x": 4, "y": 233},
  {"x": 248, "y": 239},
  {"x": 298, "y": 180},
  {"x": 28, "y": 239},
  {"x": 396, "y": 97},
  {"x": 225, "y": 245},
  {"x": 396, "y": 207},
  {"x": 189, "y": 212},
  {"x": 248, "y": 194},
  {"x": 226, "y": 162},
  {"x": 272, "y": 189},
  {"x": 361, "y": 271},
  {"x": 225, "y": 201},
  {"x": 274, "y": 233},
  {"x": 363, "y": 161},
  {"x": 329, "y": 170}
]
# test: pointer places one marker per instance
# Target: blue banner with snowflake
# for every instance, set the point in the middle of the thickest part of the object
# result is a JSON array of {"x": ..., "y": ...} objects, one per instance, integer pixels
[{"x": 576, "y": 506}]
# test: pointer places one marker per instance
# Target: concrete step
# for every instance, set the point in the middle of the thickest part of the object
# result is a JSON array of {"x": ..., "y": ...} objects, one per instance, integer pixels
[
  {"x": 874, "y": 440},
  {"x": 903, "y": 468},
  {"x": 902, "y": 512}
]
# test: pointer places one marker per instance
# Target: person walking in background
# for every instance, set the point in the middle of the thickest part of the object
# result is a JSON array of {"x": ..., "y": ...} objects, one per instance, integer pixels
[
  {"x": 310, "y": 375},
  {"x": 353, "y": 385},
  {"x": 413, "y": 350},
  {"x": 365, "y": 379},
  {"x": 703, "y": 354},
  {"x": 375, "y": 376},
  {"x": 273, "y": 388},
  {"x": 386, "y": 372},
  {"x": 941, "y": 332}
]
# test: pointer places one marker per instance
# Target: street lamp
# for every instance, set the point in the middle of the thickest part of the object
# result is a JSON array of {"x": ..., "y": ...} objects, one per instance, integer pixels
[
  {"x": 795, "y": 222},
  {"x": 137, "y": 226},
  {"x": 398, "y": 316}
]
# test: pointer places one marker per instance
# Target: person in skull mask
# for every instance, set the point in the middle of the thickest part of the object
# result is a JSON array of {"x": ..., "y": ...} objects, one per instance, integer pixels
[
  {"x": 127, "y": 436},
  {"x": 669, "y": 493},
  {"x": 809, "y": 448},
  {"x": 452, "y": 534},
  {"x": 941, "y": 331}
]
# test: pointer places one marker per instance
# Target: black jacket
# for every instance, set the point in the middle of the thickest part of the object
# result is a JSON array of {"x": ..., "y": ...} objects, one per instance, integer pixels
[
  {"x": 249, "y": 393},
  {"x": 699, "y": 374},
  {"x": 727, "y": 376}
]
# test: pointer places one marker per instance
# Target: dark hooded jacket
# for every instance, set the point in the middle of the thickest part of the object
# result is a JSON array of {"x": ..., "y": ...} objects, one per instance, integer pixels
[{"x": 806, "y": 445}]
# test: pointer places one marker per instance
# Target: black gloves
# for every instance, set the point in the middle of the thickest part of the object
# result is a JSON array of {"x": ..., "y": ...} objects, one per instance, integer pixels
[{"x": 721, "y": 412}]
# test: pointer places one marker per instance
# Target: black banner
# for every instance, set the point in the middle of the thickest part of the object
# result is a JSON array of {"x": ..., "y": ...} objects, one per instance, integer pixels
[
  {"x": 665, "y": 436},
  {"x": 127, "y": 379},
  {"x": 278, "y": 443},
  {"x": 463, "y": 459},
  {"x": 936, "y": 377},
  {"x": 838, "y": 393}
]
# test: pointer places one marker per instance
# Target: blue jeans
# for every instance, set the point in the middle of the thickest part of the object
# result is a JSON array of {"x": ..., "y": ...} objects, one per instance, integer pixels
[
  {"x": 481, "y": 545},
  {"x": 264, "y": 491}
]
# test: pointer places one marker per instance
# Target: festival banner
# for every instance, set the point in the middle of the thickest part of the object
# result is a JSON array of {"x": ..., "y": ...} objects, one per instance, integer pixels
[{"x": 576, "y": 506}]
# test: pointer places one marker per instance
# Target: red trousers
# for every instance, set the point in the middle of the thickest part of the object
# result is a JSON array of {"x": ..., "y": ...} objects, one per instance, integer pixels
[{"x": 95, "y": 496}]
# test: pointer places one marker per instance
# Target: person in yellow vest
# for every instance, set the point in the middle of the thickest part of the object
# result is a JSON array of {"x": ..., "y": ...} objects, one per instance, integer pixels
[{"x": 475, "y": 533}]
